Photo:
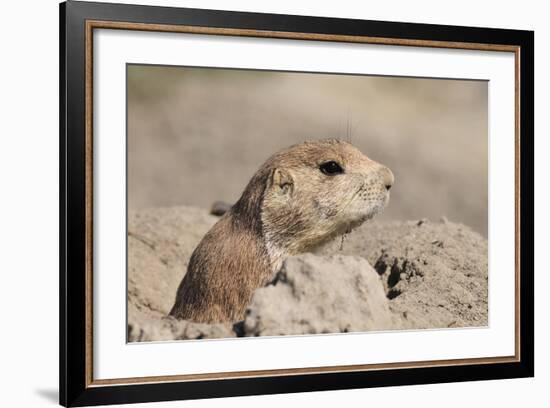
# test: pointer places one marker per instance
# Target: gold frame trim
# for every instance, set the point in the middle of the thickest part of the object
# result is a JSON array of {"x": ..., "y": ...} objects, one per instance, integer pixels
[{"x": 99, "y": 24}]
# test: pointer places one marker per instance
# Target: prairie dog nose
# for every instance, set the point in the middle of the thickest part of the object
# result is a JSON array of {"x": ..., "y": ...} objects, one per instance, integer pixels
[{"x": 387, "y": 177}]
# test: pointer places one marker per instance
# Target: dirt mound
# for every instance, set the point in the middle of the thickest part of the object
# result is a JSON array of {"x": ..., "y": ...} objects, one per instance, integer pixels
[
  {"x": 160, "y": 243},
  {"x": 143, "y": 328},
  {"x": 426, "y": 275},
  {"x": 434, "y": 273}
]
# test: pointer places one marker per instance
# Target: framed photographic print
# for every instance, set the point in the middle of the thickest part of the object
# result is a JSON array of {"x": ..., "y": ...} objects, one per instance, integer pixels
[{"x": 257, "y": 203}]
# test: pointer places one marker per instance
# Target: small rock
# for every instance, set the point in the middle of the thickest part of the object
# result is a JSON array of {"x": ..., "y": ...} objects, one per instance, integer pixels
[
  {"x": 438, "y": 243},
  {"x": 312, "y": 294},
  {"x": 219, "y": 208}
]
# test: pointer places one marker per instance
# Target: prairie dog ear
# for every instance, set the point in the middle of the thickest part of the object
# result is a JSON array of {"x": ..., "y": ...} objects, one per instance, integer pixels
[{"x": 281, "y": 181}]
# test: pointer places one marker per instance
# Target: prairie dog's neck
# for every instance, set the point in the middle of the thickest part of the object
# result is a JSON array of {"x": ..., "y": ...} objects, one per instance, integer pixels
[
  {"x": 276, "y": 257},
  {"x": 278, "y": 253}
]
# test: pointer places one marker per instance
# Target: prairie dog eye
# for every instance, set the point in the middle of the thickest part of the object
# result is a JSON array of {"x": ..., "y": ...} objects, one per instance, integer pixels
[{"x": 331, "y": 168}]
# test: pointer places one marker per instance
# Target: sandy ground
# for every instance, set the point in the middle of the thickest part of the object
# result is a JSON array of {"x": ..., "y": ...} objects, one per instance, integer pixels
[
  {"x": 197, "y": 136},
  {"x": 383, "y": 276}
]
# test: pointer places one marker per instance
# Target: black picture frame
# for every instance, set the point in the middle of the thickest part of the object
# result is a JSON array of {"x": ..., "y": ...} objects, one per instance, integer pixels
[{"x": 76, "y": 387}]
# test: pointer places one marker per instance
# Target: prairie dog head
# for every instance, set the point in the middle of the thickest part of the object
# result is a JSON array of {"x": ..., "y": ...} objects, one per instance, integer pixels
[{"x": 317, "y": 190}]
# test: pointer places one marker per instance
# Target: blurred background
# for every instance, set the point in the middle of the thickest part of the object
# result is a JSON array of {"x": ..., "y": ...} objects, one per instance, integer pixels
[{"x": 197, "y": 135}]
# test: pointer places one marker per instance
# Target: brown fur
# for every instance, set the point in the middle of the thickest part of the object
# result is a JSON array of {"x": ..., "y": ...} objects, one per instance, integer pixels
[{"x": 288, "y": 207}]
